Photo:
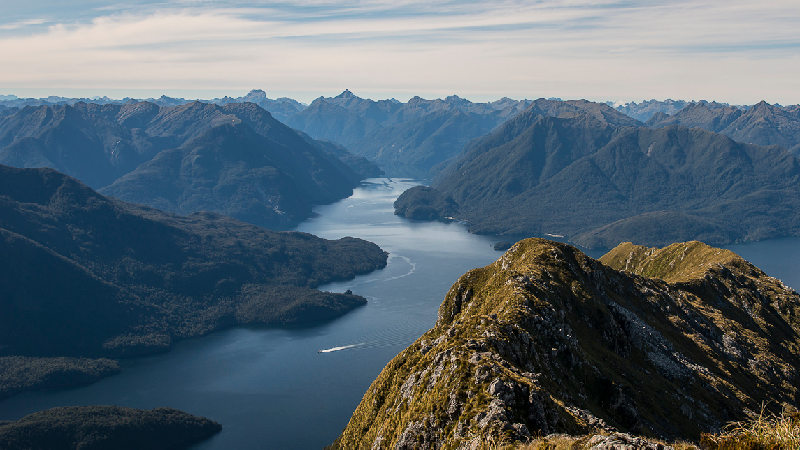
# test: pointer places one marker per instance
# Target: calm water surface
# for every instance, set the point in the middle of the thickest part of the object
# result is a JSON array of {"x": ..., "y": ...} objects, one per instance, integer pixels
[{"x": 272, "y": 388}]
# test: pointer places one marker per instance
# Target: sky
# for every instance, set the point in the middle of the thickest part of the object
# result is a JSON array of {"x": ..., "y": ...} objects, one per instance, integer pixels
[{"x": 733, "y": 51}]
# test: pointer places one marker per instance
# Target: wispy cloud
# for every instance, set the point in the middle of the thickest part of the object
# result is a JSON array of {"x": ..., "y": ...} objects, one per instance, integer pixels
[
  {"x": 731, "y": 50},
  {"x": 22, "y": 24}
]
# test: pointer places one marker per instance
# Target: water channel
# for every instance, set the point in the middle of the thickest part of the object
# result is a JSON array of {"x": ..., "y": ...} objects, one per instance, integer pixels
[{"x": 273, "y": 388}]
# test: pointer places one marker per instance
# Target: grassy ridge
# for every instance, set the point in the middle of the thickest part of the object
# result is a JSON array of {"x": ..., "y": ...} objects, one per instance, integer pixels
[{"x": 547, "y": 340}]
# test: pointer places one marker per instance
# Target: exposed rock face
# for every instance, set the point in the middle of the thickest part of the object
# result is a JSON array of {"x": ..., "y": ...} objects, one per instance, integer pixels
[{"x": 547, "y": 340}]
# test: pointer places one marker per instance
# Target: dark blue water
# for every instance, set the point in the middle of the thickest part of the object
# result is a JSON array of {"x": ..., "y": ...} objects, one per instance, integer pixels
[{"x": 272, "y": 388}]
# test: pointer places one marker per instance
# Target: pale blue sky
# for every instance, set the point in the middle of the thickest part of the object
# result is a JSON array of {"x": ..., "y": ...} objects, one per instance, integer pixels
[{"x": 729, "y": 50}]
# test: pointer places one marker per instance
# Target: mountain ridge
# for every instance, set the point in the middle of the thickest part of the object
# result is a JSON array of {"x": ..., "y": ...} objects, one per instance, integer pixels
[
  {"x": 547, "y": 340},
  {"x": 405, "y": 139},
  {"x": 108, "y": 146},
  {"x": 761, "y": 124},
  {"x": 622, "y": 182}
]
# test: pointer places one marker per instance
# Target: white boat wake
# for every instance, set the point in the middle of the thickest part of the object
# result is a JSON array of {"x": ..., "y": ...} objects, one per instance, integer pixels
[
  {"x": 412, "y": 267},
  {"x": 336, "y": 349}
]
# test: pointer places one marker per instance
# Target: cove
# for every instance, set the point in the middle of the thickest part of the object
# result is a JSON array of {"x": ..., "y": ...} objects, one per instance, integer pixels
[{"x": 296, "y": 388}]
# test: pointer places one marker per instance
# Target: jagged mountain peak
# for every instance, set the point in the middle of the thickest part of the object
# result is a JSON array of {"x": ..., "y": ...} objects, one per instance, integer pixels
[
  {"x": 256, "y": 94},
  {"x": 346, "y": 94},
  {"x": 457, "y": 101}
]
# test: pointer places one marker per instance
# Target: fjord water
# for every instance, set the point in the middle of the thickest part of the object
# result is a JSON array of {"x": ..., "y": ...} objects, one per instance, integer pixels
[{"x": 273, "y": 388}]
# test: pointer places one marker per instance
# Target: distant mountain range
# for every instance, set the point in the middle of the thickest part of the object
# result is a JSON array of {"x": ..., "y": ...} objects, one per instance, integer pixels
[
  {"x": 762, "y": 124},
  {"x": 598, "y": 177},
  {"x": 281, "y": 108},
  {"x": 623, "y": 180},
  {"x": 414, "y": 138},
  {"x": 87, "y": 275},
  {"x": 643, "y": 111},
  {"x": 234, "y": 159},
  {"x": 404, "y": 139}
]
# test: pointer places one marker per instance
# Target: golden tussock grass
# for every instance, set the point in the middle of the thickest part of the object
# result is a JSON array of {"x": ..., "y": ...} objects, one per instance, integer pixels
[{"x": 766, "y": 432}]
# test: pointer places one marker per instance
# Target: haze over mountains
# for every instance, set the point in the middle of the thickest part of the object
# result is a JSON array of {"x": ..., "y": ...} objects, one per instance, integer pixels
[
  {"x": 234, "y": 158},
  {"x": 272, "y": 179},
  {"x": 643, "y": 111},
  {"x": 762, "y": 124},
  {"x": 588, "y": 172},
  {"x": 280, "y": 108},
  {"x": 405, "y": 139}
]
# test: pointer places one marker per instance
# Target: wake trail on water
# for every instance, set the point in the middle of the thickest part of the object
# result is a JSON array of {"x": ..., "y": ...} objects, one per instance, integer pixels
[
  {"x": 412, "y": 267},
  {"x": 401, "y": 335},
  {"x": 338, "y": 349}
]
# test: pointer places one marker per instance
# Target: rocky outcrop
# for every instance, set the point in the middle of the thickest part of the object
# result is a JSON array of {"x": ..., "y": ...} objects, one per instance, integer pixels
[{"x": 664, "y": 343}]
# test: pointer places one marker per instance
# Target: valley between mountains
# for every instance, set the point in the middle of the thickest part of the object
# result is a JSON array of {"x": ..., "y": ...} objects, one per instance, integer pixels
[{"x": 129, "y": 227}]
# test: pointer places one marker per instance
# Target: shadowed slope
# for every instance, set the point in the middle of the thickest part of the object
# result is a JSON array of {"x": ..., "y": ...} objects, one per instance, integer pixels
[
  {"x": 94, "y": 275},
  {"x": 598, "y": 183}
]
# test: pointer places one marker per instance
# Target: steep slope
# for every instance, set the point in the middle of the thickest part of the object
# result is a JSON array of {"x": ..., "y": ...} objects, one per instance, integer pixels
[
  {"x": 5, "y": 111},
  {"x": 419, "y": 144},
  {"x": 762, "y": 124},
  {"x": 405, "y": 139},
  {"x": 103, "y": 144},
  {"x": 89, "y": 275},
  {"x": 708, "y": 116},
  {"x": 363, "y": 167},
  {"x": 235, "y": 171},
  {"x": 548, "y": 340},
  {"x": 88, "y": 141},
  {"x": 529, "y": 148},
  {"x": 103, "y": 427},
  {"x": 600, "y": 182}
]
